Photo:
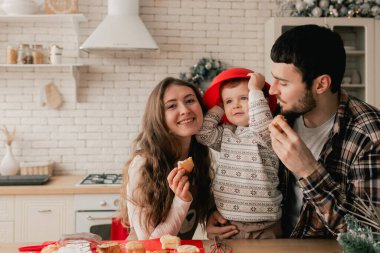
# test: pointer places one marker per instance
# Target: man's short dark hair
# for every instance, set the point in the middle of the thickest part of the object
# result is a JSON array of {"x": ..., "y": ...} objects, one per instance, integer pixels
[{"x": 314, "y": 50}]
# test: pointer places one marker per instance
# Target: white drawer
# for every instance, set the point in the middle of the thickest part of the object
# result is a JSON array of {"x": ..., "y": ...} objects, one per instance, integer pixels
[
  {"x": 6, "y": 231},
  {"x": 7, "y": 205},
  {"x": 96, "y": 202}
]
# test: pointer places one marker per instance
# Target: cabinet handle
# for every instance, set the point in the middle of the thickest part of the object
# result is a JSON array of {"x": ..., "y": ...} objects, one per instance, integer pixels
[
  {"x": 44, "y": 211},
  {"x": 98, "y": 218}
]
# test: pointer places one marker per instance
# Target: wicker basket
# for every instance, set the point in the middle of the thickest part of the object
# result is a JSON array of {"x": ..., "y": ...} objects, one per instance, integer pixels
[{"x": 37, "y": 168}]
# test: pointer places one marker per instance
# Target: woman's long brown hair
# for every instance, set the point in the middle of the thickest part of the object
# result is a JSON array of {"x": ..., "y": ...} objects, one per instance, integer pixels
[{"x": 161, "y": 151}]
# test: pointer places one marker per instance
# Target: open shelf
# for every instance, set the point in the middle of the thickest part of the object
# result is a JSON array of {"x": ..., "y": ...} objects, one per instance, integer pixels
[
  {"x": 41, "y": 65},
  {"x": 74, "y": 19},
  {"x": 43, "y": 18},
  {"x": 74, "y": 69}
]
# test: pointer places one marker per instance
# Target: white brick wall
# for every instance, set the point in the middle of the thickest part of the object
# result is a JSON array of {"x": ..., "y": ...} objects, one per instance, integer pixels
[{"x": 94, "y": 133}]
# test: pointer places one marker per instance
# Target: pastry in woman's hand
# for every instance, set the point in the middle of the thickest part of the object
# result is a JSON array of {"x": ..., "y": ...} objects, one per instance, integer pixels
[{"x": 186, "y": 164}]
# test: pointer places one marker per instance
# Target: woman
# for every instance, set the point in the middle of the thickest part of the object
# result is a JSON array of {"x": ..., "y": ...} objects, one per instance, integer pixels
[{"x": 160, "y": 198}]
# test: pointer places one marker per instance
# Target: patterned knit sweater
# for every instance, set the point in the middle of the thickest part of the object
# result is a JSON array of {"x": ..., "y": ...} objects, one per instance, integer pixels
[{"x": 246, "y": 180}]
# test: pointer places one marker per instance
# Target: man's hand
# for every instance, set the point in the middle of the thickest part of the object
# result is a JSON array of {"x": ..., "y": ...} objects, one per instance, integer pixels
[
  {"x": 291, "y": 150},
  {"x": 217, "y": 226}
]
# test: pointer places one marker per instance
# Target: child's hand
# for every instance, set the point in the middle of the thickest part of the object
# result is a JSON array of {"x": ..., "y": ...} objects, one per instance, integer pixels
[
  {"x": 256, "y": 81},
  {"x": 219, "y": 103},
  {"x": 179, "y": 184}
]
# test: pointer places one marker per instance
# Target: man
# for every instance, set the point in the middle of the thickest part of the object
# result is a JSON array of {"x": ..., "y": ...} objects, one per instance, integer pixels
[{"x": 330, "y": 143}]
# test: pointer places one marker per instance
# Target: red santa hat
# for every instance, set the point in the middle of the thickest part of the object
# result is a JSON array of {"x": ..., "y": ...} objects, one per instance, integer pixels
[{"x": 212, "y": 94}]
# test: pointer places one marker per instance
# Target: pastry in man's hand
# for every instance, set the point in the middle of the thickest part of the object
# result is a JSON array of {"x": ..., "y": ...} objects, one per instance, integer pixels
[
  {"x": 170, "y": 241},
  {"x": 186, "y": 164},
  {"x": 276, "y": 120}
]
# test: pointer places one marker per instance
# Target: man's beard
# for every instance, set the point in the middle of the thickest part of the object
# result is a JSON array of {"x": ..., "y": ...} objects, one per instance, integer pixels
[{"x": 301, "y": 107}]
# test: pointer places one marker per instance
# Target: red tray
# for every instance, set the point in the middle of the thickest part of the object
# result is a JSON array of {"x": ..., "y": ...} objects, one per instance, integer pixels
[{"x": 151, "y": 245}]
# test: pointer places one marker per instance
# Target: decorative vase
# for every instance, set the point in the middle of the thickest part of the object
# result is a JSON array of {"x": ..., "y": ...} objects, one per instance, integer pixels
[{"x": 9, "y": 166}]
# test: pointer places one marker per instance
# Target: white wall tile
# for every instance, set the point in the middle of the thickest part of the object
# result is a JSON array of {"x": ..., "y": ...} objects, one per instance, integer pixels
[{"x": 94, "y": 133}]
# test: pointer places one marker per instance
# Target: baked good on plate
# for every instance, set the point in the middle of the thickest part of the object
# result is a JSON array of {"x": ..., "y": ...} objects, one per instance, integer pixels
[
  {"x": 134, "y": 247},
  {"x": 187, "y": 249},
  {"x": 50, "y": 248},
  {"x": 170, "y": 241},
  {"x": 108, "y": 247},
  {"x": 186, "y": 164},
  {"x": 276, "y": 120}
]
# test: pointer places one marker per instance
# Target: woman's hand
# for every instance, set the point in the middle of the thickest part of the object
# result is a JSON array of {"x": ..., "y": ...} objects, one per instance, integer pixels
[
  {"x": 179, "y": 184},
  {"x": 218, "y": 226}
]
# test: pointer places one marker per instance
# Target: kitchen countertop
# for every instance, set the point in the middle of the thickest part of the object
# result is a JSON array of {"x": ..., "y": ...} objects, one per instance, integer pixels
[
  {"x": 245, "y": 246},
  {"x": 59, "y": 185}
]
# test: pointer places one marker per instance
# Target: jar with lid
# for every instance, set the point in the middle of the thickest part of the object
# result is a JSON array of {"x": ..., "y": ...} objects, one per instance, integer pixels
[
  {"x": 28, "y": 55},
  {"x": 24, "y": 55},
  {"x": 21, "y": 53},
  {"x": 38, "y": 54},
  {"x": 11, "y": 55}
]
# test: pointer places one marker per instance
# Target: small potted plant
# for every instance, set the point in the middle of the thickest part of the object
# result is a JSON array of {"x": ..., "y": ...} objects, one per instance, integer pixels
[{"x": 363, "y": 229}]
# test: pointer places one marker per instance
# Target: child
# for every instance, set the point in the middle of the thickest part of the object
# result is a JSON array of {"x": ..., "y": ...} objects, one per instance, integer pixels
[{"x": 245, "y": 184}]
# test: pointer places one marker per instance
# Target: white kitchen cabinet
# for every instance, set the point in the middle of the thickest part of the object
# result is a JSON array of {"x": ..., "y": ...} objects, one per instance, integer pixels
[
  {"x": 359, "y": 41},
  {"x": 6, "y": 219},
  {"x": 43, "y": 218}
]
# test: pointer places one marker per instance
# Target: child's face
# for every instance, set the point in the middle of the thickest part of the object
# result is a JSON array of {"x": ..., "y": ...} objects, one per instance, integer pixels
[{"x": 235, "y": 103}]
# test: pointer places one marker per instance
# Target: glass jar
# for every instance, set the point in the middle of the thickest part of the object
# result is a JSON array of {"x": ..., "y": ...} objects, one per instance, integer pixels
[
  {"x": 28, "y": 55},
  {"x": 38, "y": 54},
  {"x": 21, "y": 54},
  {"x": 24, "y": 55},
  {"x": 11, "y": 55}
]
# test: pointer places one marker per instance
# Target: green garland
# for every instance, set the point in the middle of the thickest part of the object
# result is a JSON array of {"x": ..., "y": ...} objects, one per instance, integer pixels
[
  {"x": 358, "y": 238},
  {"x": 363, "y": 227},
  {"x": 205, "y": 70},
  {"x": 330, "y": 8}
]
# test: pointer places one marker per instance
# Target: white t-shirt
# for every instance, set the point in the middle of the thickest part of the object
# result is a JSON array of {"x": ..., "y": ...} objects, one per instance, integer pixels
[{"x": 314, "y": 139}]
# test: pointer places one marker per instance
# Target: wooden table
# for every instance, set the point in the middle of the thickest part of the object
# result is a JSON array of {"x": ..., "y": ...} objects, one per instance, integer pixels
[
  {"x": 281, "y": 246},
  {"x": 251, "y": 246}
]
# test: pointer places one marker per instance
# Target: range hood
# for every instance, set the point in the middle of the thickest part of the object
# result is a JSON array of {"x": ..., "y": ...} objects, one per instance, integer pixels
[{"x": 122, "y": 29}]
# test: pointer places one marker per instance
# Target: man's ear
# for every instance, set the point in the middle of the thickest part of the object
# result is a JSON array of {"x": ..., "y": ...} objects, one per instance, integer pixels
[{"x": 323, "y": 83}]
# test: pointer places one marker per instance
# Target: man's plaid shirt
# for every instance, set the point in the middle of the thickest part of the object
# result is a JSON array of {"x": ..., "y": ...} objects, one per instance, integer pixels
[{"x": 349, "y": 166}]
